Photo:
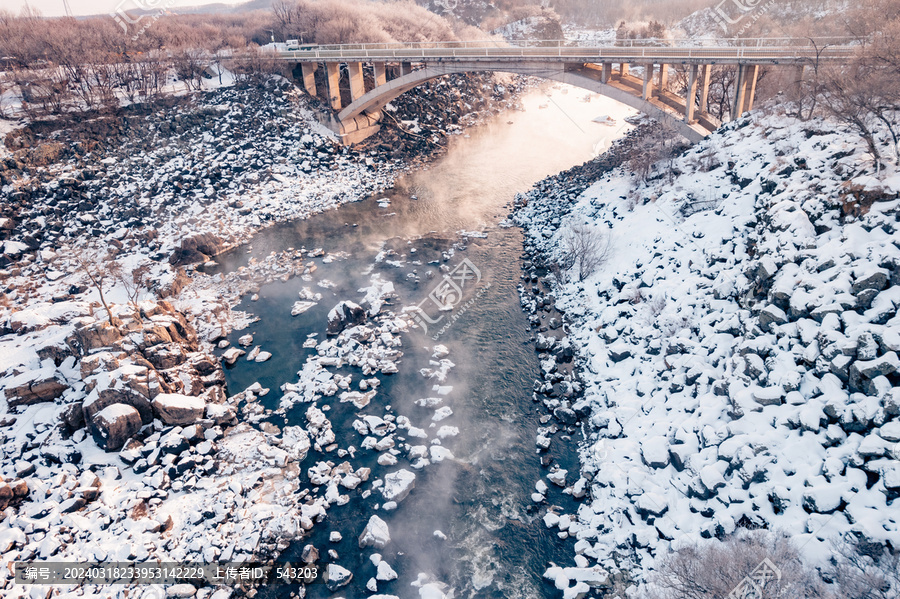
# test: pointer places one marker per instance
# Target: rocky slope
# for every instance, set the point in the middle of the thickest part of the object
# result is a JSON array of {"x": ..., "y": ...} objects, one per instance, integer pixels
[{"x": 737, "y": 349}]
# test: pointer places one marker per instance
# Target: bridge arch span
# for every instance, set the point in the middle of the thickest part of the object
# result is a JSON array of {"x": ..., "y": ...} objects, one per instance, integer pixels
[{"x": 378, "y": 98}]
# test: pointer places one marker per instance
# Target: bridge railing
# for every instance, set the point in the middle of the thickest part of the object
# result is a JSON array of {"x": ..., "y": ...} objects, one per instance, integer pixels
[
  {"x": 744, "y": 48},
  {"x": 760, "y": 42}
]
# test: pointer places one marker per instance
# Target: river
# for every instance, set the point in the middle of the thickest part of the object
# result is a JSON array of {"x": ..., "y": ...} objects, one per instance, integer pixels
[{"x": 496, "y": 543}]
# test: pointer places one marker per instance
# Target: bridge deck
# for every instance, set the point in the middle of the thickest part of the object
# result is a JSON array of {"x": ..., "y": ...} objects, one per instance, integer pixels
[{"x": 448, "y": 51}]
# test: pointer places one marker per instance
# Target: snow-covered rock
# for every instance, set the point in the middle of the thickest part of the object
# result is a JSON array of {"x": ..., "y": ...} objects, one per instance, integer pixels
[
  {"x": 344, "y": 315},
  {"x": 398, "y": 484},
  {"x": 231, "y": 355},
  {"x": 114, "y": 425},
  {"x": 337, "y": 577},
  {"x": 176, "y": 408},
  {"x": 301, "y": 306},
  {"x": 375, "y": 534}
]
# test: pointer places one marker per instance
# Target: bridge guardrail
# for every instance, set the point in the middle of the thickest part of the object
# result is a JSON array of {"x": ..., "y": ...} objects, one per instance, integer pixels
[
  {"x": 376, "y": 51},
  {"x": 793, "y": 42}
]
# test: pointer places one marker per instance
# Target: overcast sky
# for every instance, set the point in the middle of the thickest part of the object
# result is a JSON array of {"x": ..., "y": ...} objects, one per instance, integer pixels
[{"x": 55, "y": 8}]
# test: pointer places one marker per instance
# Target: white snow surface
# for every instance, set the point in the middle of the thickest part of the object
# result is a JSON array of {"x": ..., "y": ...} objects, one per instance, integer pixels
[{"x": 758, "y": 409}]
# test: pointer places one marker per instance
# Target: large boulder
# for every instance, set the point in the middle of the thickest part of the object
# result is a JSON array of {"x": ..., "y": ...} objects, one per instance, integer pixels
[
  {"x": 880, "y": 366},
  {"x": 112, "y": 426},
  {"x": 93, "y": 335},
  {"x": 655, "y": 452},
  {"x": 175, "y": 408},
  {"x": 165, "y": 355},
  {"x": 771, "y": 315},
  {"x": 198, "y": 248},
  {"x": 870, "y": 278},
  {"x": 34, "y": 386},
  {"x": 11, "y": 492},
  {"x": 345, "y": 315},
  {"x": 118, "y": 393}
]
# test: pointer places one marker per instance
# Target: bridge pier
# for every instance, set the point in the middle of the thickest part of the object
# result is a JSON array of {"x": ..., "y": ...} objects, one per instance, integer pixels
[
  {"x": 690, "y": 94},
  {"x": 606, "y": 72},
  {"x": 623, "y": 69},
  {"x": 405, "y": 68},
  {"x": 333, "y": 79},
  {"x": 663, "y": 77},
  {"x": 744, "y": 89},
  {"x": 379, "y": 72},
  {"x": 647, "y": 90},
  {"x": 308, "y": 70},
  {"x": 706, "y": 72},
  {"x": 357, "y": 81},
  {"x": 753, "y": 71}
]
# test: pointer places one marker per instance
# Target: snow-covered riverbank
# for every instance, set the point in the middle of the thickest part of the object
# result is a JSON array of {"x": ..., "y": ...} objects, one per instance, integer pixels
[
  {"x": 194, "y": 480},
  {"x": 738, "y": 347}
]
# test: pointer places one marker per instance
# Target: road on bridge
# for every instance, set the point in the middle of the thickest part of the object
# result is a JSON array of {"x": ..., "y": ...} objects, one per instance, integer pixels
[{"x": 750, "y": 51}]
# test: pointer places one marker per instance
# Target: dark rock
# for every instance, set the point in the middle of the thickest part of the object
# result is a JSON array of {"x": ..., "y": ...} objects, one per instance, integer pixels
[
  {"x": 114, "y": 425},
  {"x": 565, "y": 415},
  {"x": 771, "y": 315},
  {"x": 619, "y": 352},
  {"x": 871, "y": 369},
  {"x": 345, "y": 315},
  {"x": 119, "y": 395},
  {"x": 175, "y": 408},
  {"x": 39, "y": 389},
  {"x": 877, "y": 280},
  {"x": 72, "y": 417},
  {"x": 199, "y": 248}
]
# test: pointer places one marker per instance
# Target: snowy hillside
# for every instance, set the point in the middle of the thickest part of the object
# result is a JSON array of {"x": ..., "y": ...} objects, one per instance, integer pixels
[{"x": 738, "y": 346}]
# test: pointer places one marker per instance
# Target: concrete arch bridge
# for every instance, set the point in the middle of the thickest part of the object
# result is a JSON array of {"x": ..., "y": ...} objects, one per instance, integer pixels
[{"x": 604, "y": 70}]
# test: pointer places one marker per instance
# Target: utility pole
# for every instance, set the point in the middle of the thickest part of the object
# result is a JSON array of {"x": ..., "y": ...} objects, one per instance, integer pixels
[{"x": 67, "y": 8}]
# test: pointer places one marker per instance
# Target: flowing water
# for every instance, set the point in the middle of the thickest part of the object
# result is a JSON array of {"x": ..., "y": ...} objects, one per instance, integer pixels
[{"x": 496, "y": 543}]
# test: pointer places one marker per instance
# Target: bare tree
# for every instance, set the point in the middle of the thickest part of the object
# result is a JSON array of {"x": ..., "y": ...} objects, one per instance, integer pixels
[
  {"x": 132, "y": 281},
  {"x": 189, "y": 64},
  {"x": 7, "y": 87},
  {"x": 851, "y": 97},
  {"x": 722, "y": 80},
  {"x": 584, "y": 249},
  {"x": 98, "y": 273},
  {"x": 716, "y": 569},
  {"x": 865, "y": 570},
  {"x": 656, "y": 144}
]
